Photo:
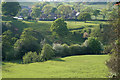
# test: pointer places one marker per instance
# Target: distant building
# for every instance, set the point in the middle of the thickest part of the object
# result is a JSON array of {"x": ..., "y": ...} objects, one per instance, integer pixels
[
  {"x": 78, "y": 13},
  {"x": 18, "y": 18}
]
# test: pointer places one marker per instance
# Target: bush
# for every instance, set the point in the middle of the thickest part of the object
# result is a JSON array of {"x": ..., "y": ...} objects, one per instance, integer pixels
[
  {"x": 61, "y": 50},
  {"x": 66, "y": 50},
  {"x": 93, "y": 46},
  {"x": 47, "y": 52},
  {"x": 58, "y": 48},
  {"x": 75, "y": 49},
  {"x": 30, "y": 57}
]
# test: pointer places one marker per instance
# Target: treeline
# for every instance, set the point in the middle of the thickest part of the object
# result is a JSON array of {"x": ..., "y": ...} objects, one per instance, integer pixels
[
  {"x": 46, "y": 11},
  {"x": 31, "y": 46},
  {"x": 15, "y": 47}
]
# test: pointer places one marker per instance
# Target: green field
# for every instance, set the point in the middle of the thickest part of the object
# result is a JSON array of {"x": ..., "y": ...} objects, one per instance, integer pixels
[
  {"x": 45, "y": 25},
  {"x": 83, "y": 66}
]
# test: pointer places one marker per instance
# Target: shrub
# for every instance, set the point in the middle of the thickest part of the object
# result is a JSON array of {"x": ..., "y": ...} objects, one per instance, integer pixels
[
  {"x": 61, "y": 50},
  {"x": 30, "y": 57},
  {"x": 47, "y": 52},
  {"x": 75, "y": 49},
  {"x": 93, "y": 46},
  {"x": 66, "y": 50},
  {"x": 58, "y": 48}
]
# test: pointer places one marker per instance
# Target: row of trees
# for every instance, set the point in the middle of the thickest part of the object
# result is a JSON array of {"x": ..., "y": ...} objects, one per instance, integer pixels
[
  {"x": 46, "y": 10},
  {"x": 90, "y": 46},
  {"x": 32, "y": 40}
]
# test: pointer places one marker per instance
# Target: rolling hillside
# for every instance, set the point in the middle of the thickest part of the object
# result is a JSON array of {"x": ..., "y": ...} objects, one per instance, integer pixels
[{"x": 84, "y": 66}]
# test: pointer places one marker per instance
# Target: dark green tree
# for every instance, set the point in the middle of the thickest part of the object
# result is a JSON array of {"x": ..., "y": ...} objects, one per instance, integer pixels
[
  {"x": 47, "y": 52},
  {"x": 36, "y": 11},
  {"x": 7, "y": 45},
  {"x": 47, "y": 9},
  {"x": 87, "y": 9},
  {"x": 64, "y": 10},
  {"x": 29, "y": 41},
  {"x": 10, "y": 8},
  {"x": 24, "y": 12},
  {"x": 114, "y": 62},
  {"x": 59, "y": 27},
  {"x": 96, "y": 13},
  {"x": 84, "y": 16},
  {"x": 93, "y": 45}
]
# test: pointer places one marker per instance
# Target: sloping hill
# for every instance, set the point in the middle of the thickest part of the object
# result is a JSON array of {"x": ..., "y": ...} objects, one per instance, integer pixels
[{"x": 84, "y": 66}]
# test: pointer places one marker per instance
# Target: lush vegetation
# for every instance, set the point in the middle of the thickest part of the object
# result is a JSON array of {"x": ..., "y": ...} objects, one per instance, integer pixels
[
  {"x": 84, "y": 66},
  {"x": 76, "y": 30}
]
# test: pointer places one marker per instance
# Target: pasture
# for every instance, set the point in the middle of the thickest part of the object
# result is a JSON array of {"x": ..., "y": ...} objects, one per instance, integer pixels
[
  {"x": 45, "y": 25},
  {"x": 82, "y": 66}
]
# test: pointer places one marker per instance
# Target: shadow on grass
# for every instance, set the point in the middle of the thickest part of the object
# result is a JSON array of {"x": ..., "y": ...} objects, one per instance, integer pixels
[
  {"x": 13, "y": 61},
  {"x": 58, "y": 59}
]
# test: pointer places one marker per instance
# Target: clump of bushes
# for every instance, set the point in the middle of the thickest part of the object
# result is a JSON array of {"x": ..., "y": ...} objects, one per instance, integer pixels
[
  {"x": 30, "y": 57},
  {"x": 90, "y": 46},
  {"x": 93, "y": 46},
  {"x": 29, "y": 41},
  {"x": 58, "y": 48},
  {"x": 75, "y": 49},
  {"x": 47, "y": 53},
  {"x": 61, "y": 50}
]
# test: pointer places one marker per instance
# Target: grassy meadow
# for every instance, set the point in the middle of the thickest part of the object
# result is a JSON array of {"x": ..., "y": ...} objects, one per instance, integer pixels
[
  {"x": 44, "y": 26},
  {"x": 77, "y": 46},
  {"x": 82, "y": 66},
  {"x": 73, "y": 26}
]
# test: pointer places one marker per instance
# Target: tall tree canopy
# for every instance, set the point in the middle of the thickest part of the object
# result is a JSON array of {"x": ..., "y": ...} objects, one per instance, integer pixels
[
  {"x": 84, "y": 16},
  {"x": 10, "y": 8},
  {"x": 59, "y": 27},
  {"x": 114, "y": 62},
  {"x": 64, "y": 10},
  {"x": 47, "y": 9},
  {"x": 96, "y": 13},
  {"x": 36, "y": 11},
  {"x": 24, "y": 12}
]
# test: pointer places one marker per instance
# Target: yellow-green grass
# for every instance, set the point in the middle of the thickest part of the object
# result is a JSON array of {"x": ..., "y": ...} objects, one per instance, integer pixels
[
  {"x": 97, "y": 6},
  {"x": 82, "y": 66},
  {"x": 80, "y": 24},
  {"x": 45, "y": 25}
]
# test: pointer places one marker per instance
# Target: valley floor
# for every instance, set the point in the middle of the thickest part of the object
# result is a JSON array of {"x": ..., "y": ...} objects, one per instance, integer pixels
[{"x": 82, "y": 66}]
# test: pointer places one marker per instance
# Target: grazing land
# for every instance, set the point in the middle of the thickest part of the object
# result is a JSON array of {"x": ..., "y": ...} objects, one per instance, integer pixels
[
  {"x": 59, "y": 39},
  {"x": 82, "y": 66}
]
